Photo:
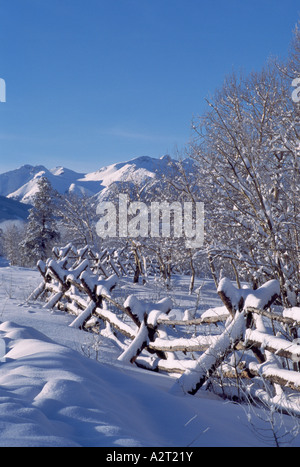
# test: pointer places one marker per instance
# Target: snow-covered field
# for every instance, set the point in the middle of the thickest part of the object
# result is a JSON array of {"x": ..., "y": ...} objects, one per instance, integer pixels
[{"x": 53, "y": 394}]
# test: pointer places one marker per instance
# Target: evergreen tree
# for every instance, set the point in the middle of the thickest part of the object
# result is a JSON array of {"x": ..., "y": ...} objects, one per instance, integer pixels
[{"x": 41, "y": 231}]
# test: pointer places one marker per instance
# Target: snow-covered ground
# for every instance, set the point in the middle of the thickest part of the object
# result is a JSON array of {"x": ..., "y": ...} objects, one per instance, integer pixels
[{"x": 53, "y": 394}]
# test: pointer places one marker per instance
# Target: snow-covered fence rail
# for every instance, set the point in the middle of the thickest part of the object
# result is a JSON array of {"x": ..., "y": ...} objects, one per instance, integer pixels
[
  {"x": 106, "y": 262},
  {"x": 264, "y": 340}
]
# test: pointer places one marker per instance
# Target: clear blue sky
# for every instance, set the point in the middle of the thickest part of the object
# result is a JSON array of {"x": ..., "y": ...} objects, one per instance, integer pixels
[{"x": 92, "y": 82}]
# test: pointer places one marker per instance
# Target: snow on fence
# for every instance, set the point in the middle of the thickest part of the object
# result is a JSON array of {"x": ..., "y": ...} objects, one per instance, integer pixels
[{"x": 263, "y": 341}]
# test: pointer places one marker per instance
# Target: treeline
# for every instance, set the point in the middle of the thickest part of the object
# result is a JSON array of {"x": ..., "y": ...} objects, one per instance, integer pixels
[
  {"x": 247, "y": 147},
  {"x": 243, "y": 164}
]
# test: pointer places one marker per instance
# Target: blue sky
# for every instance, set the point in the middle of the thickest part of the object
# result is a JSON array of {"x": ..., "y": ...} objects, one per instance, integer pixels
[{"x": 93, "y": 82}]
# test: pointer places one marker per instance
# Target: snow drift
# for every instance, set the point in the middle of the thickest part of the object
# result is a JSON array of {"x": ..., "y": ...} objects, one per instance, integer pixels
[{"x": 52, "y": 396}]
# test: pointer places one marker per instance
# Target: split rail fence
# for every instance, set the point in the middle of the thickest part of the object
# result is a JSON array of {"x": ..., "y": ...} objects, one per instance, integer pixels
[{"x": 248, "y": 339}]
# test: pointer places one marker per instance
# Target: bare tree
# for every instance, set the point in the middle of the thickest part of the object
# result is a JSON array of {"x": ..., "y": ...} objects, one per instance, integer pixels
[
  {"x": 77, "y": 216},
  {"x": 247, "y": 147}
]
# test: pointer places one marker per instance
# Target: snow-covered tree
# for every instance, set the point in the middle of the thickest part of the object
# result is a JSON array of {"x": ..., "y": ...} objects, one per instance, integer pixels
[
  {"x": 12, "y": 235},
  {"x": 77, "y": 216},
  {"x": 41, "y": 232},
  {"x": 152, "y": 239},
  {"x": 247, "y": 147}
]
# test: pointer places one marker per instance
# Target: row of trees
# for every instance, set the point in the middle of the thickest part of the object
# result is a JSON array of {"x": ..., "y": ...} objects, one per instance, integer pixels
[
  {"x": 247, "y": 148},
  {"x": 59, "y": 219},
  {"x": 246, "y": 169},
  {"x": 243, "y": 164}
]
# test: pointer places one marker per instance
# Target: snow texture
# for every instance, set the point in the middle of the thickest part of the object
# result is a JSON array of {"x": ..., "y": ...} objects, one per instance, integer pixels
[
  {"x": 293, "y": 313},
  {"x": 232, "y": 333},
  {"x": 245, "y": 297},
  {"x": 53, "y": 395}
]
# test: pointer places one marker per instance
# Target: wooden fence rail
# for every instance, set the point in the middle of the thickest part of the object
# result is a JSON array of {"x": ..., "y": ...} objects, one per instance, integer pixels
[{"x": 265, "y": 339}]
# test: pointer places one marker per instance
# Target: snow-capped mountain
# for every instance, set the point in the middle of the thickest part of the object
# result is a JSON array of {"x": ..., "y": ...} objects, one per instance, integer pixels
[{"x": 21, "y": 184}]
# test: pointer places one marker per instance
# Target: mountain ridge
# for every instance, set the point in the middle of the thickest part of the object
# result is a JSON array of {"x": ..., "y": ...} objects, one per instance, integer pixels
[
  {"x": 22, "y": 184},
  {"x": 134, "y": 175},
  {"x": 12, "y": 210}
]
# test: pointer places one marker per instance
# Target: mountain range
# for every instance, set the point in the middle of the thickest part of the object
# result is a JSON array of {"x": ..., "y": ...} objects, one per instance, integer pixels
[{"x": 20, "y": 185}]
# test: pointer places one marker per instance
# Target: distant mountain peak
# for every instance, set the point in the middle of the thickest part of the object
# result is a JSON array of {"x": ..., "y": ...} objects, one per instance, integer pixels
[{"x": 22, "y": 184}]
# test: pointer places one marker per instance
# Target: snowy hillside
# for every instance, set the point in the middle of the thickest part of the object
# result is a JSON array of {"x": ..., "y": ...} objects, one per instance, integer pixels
[
  {"x": 11, "y": 209},
  {"x": 52, "y": 394},
  {"x": 21, "y": 184}
]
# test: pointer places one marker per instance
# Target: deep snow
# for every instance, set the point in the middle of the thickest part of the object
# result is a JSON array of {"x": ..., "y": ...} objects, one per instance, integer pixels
[{"x": 53, "y": 394}]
